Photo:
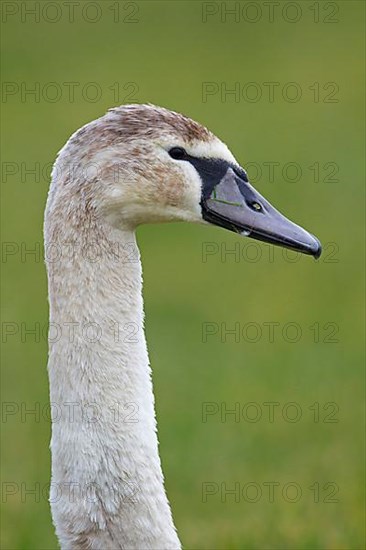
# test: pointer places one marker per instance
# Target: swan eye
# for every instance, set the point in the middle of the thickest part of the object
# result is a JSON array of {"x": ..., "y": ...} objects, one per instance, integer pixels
[{"x": 177, "y": 153}]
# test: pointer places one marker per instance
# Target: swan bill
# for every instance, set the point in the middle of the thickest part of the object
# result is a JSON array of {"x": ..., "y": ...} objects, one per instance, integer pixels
[{"x": 231, "y": 202}]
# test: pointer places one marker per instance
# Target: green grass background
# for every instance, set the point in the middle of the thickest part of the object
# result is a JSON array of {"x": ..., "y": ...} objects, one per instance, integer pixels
[{"x": 169, "y": 52}]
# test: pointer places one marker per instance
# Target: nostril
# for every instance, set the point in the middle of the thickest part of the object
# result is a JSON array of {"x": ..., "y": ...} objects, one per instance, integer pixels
[{"x": 256, "y": 206}]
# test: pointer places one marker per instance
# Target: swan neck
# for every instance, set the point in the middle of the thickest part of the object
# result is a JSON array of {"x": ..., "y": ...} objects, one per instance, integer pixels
[{"x": 107, "y": 486}]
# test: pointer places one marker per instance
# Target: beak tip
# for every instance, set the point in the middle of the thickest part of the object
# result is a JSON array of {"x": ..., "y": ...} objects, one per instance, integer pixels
[{"x": 317, "y": 248}]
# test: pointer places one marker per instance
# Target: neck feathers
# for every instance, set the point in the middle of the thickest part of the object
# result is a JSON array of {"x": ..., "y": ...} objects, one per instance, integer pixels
[{"x": 107, "y": 485}]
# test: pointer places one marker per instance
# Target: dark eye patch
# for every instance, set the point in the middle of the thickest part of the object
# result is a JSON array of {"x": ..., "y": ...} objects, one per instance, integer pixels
[{"x": 211, "y": 170}]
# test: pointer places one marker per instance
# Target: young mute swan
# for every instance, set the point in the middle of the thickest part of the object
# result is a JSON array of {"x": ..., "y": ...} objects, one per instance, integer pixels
[{"x": 137, "y": 164}]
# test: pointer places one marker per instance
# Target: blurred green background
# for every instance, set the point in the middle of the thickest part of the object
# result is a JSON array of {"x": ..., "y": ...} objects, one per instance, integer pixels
[{"x": 166, "y": 53}]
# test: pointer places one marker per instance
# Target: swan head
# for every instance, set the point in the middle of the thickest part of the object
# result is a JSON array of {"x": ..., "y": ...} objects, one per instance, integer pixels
[{"x": 146, "y": 164}]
